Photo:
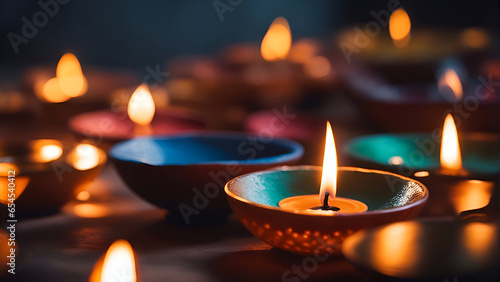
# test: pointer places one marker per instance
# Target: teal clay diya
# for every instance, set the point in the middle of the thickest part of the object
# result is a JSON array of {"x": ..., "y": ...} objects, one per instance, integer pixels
[{"x": 283, "y": 207}]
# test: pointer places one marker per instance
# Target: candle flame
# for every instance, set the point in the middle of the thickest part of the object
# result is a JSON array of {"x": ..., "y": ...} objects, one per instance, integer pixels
[
  {"x": 451, "y": 158},
  {"x": 399, "y": 27},
  {"x": 450, "y": 81},
  {"x": 68, "y": 83},
  {"x": 46, "y": 150},
  {"x": 84, "y": 157},
  {"x": 277, "y": 41},
  {"x": 141, "y": 107},
  {"x": 119, "y": 263},
  {"x": 50, "y": 152},
  {"x": 329, "y": 175},
  {"x": 69, "y": 73}
]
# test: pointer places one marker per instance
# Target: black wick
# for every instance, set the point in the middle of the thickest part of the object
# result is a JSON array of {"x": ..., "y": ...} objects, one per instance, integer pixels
[{"x": 325, "y": 206}]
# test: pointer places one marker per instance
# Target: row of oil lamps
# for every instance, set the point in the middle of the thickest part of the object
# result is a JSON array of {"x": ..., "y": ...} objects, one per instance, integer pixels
[{"x": 280, "y": 205}]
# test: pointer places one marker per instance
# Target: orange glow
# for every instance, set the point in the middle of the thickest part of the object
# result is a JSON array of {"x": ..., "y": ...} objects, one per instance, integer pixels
[
  {"x": 69, "y": 73},
  {"x": 302, "y": 51},
  {"x": 68, "y": 83},
  {"x": 141, "y": 107},
  {"x": 20, "y": 182},
  {"x": 277, "y": 41},
  {"x": 329, "y": 175},
  {"x": 52, "y": 92},
  {"x": 88, "y": 210},
  {"x": 451, "y": 158},
  {"x": 399, "y": 27},
  {"x": 421, "y": 173},
  {"x": 46, "y": 150},
  {"x": 6, "y": 167},
  {"x": 50, "y": 152},
  {"x": 479, "y": 239},
  {"x": 83, "y": 196},
  {"x": 84, "y": 157},
  {"x": 450, "y": 81},
  {"x": 471, "y": 194},
  {"x": 118, "y": 264},
  {"x": 475, "y": 38},
  {"x": 317, "y": 67},
  {"x": 395, "y": 249}
]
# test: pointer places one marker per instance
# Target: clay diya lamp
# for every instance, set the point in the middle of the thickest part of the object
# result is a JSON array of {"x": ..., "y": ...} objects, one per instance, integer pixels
[
  {"x": 283, "y": 208},
  {"x": 44, "y": 167},
  {"x": 119, "y": 263},
  {"x": 394, "y": 107},
  {"x": 403, "y": 48},
  {"x": 459, "y": 172},
  {"x": 279, "y": 72},
  {"x": 427, "y": 250},
  {"x": 305, "y": 128},
  {"x": 107, "y": 127},
  {"x": 186, "y": 173},
  {"x": 68, "y": 89}
]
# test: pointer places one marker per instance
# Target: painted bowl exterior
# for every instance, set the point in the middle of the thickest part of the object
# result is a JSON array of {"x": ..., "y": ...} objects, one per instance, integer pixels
[
  {"x": 185, "y": 174},
  {"x": 254, "y": 199}
]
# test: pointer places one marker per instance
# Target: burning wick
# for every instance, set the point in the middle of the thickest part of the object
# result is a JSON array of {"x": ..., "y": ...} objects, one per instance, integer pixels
[
  {"x": 303, "y": 203},
  {"x": 325, "y": 206}
]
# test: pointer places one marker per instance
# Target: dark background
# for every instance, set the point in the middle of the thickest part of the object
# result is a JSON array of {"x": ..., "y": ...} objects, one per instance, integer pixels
[{"x": 139, "y": 33}]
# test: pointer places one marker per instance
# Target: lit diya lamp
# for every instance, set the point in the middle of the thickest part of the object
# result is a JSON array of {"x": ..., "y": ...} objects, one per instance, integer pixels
[
  {"x": 459, "y": 171},
  {"x": 405, "y": 48},
  {"x": 280, "y": 71},
  {"x": 118, "y": 264},
  {"x": 473, "y": 100},
  {"x": 31, "y": 169},
  {"x": 282, "y": 207},
  {"x": 107, "y": 127},
  {"x": 78, "y": 90}
]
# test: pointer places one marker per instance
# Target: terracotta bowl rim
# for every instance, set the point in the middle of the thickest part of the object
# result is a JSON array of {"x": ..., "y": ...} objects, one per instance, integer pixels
[{"x": 419, "y": 202}]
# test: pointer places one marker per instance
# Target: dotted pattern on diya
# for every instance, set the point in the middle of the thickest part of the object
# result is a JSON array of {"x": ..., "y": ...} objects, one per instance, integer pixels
[{"x": 306, "y": 242}]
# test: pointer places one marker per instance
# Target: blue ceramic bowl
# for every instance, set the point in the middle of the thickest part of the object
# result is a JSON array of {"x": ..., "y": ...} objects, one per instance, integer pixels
[{"x": 186, "y": 173}]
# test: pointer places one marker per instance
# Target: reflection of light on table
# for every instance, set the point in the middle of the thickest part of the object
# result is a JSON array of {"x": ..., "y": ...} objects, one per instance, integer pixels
[
  {"x": 83, "y": 196},
  {"x": 471, "y": 194},
  {"x": 479, "y": 239},
  {"x": 395, "y": 248},
  {"x": 88, "y": 210}
]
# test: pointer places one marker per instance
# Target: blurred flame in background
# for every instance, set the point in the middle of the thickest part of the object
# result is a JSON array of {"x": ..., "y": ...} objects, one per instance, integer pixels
[
  {"x": 68, "y": 83},
  {"x": 277, "y": 41},
  {"x": 141, "y": 106},
  {"x": 400, "y": 27},
  {"x": 449, "y": 85},
  {"x": 46, "y": 150},
  {"x": 84, "y": 157}
]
